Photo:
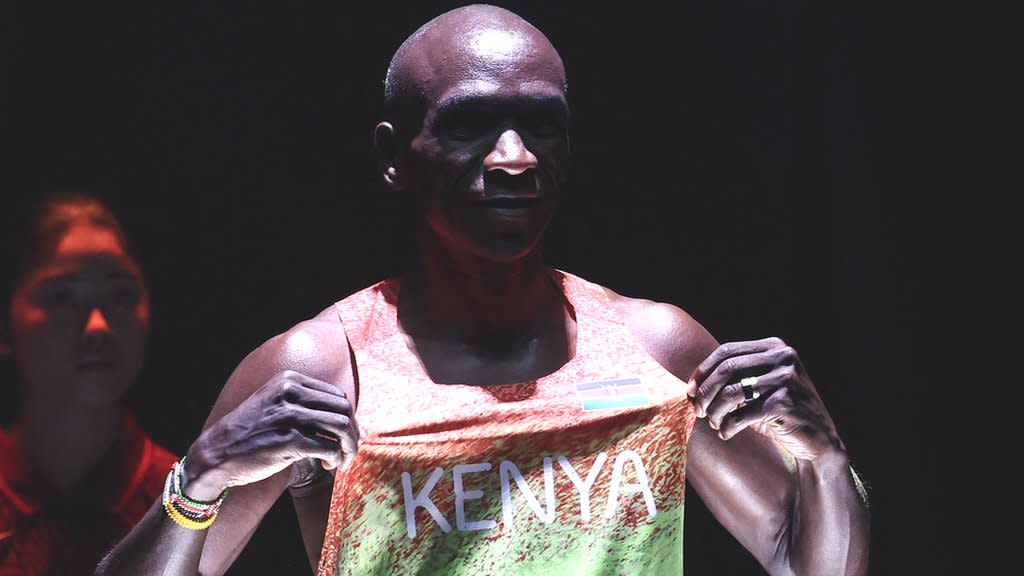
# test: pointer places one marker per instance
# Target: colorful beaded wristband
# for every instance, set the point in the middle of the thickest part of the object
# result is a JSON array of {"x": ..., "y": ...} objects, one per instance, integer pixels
[{"x": 186, "y": 512}]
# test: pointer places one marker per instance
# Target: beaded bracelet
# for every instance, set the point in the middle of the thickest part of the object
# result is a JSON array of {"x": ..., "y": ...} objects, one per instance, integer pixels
[{"x": 186, "y": 512}]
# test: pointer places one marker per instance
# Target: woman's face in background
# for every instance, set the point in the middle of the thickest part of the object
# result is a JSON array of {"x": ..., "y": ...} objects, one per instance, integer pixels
[{"x": 80, "y": 321}]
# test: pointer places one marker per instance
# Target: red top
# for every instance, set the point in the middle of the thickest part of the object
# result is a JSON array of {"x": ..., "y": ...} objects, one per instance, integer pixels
[{"x": 45, "y": 532}]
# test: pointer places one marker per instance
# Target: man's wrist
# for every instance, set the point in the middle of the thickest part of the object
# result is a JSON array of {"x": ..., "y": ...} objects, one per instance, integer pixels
[{"x": 197, "y": 482}]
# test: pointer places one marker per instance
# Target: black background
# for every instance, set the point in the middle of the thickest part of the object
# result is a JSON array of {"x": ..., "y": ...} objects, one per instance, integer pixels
[{"x": 826, "y": 173}]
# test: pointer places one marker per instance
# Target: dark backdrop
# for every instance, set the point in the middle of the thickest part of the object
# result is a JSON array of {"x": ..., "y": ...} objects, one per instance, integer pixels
[{"x": 822, "y": 173}]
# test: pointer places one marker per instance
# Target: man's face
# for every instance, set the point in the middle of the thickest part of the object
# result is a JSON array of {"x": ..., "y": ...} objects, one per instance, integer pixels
[
  {"x": 79, "y": 321},
  {"x": 486, "y": 166}
]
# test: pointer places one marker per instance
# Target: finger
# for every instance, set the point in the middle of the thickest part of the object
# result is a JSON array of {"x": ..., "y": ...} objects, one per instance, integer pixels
[
  {"x": 330, "y": 450},
  {"x": 316, "y": 399},
  {"x": 741, "y": 418},
  {"x": 341, "y": 449},
  {"x": 713, "y": 392},
  {"x": 730, "y": 349},
  {"x": 321, "y": 448},
  {"x": 732, "y": 397},
  {"x": 347, "y": 442},
  {"x": 732, "y": 403},
  {"x": 310, "y": 382},
  {"x": 324, "y": 425},
  {"x": 336, "y": 432},
  {"x": 731, "y": 370},
  {"x": 349, "y": 446},
  {"x": 277, "y": 449},
  {"x": 723, "y": 354}
]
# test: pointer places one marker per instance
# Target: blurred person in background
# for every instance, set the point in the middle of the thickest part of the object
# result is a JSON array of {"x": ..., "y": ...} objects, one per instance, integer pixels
[{"x": 76, "y": 470}]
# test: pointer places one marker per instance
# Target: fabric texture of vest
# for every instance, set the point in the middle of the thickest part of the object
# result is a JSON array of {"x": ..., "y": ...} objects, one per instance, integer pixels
[{"x": 581, "y": 472}]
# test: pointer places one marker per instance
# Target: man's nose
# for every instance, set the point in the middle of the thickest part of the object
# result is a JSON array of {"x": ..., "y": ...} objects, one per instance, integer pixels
[
  {"x": 97, "y": 322},
  {"x": 510, "y": 154}
]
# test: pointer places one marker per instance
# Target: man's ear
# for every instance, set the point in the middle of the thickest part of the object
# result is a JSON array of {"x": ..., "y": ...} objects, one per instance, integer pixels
[{"x": 385, "y": 143}]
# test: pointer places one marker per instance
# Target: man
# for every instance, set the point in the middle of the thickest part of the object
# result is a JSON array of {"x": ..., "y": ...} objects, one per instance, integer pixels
[{"x": 485, "y": 414}]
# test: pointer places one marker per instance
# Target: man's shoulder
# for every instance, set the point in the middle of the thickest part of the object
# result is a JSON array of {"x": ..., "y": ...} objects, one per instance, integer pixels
[
  {"x": 321, "y": 333},
  {"x": 664, "y": 329},
  {"x": 654, "y": 318},
  {"x": 306, "y": 346},
  {"x": 316, "y": 346},
  {"x": 646, "y": 313}
]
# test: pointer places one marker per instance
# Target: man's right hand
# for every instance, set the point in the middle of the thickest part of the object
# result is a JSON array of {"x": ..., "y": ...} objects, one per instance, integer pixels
[{"x": 290, "y": 418}]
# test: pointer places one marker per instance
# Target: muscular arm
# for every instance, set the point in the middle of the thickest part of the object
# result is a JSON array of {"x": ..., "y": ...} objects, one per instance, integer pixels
[
  {"x": 285, "y": 403},
  {"x": 774, "y": 473},
  {"x": 795, "y": 516}
]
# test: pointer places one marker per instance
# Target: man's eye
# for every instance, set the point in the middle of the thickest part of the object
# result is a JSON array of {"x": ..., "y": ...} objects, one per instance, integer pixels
[
  {"x": 545, "y": 127},
  {"x": 545, "y": 131},
  {"x": 467, "y": 126}
]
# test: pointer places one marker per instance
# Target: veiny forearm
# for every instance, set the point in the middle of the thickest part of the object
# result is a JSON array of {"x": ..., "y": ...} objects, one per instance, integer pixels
[
  {"x": 830, "y": 526},
  {"x": 155, "y": 546}
]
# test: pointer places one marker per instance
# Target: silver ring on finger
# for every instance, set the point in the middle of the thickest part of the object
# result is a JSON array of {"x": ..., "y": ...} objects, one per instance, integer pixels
[{"x": 750, "y": 389}]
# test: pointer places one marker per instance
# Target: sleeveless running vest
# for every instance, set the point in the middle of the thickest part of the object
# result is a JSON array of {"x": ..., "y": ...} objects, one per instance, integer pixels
[{"x": 580, "y": 472}]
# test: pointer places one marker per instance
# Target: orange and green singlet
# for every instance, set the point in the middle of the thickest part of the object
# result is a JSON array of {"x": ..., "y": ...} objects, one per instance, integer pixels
[{"x": 581, "y": 472}]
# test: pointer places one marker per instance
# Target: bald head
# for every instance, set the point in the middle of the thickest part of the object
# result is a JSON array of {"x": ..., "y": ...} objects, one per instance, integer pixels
[
  {"x": 479, "y": 41},
  {"x": 477, "y": 118}
]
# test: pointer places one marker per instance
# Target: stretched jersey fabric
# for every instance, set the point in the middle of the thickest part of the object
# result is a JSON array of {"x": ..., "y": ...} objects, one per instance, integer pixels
[
  {"x": 46, "y": 533},
  {"x": 580, "y": 472}
]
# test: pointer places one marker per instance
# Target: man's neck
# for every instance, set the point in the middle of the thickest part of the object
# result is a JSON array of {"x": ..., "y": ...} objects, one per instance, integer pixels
[
  {"x": 480, "y": 301},
  {"x": 490, "y": 323}
]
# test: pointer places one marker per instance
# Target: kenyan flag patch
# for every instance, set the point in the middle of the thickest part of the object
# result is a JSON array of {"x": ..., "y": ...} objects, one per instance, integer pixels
[{"x": 613, "y": 394}]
